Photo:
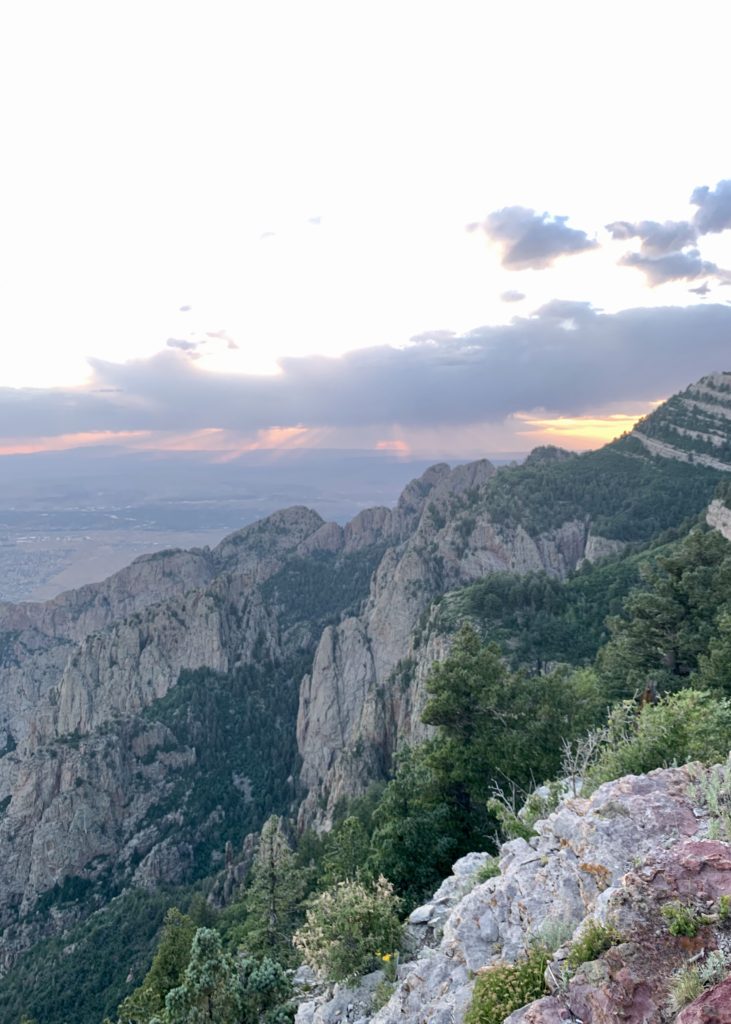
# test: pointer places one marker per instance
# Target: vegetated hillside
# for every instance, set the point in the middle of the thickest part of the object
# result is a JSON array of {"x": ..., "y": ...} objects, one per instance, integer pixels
[
  {"x": 692, "y": 426},
  {"x": 622, "y": 493},
  {"x": 548, "y": 516},
  {"x": 490, "y": 725},
  {"x": 153, "y": 721},
  {"x": 539, "y": 620}
]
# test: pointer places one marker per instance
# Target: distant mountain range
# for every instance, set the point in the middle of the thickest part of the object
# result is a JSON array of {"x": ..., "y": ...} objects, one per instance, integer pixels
[{"x": 74, "y": 517}]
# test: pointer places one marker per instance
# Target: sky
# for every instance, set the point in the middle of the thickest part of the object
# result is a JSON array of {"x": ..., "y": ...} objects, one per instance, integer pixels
[{"x": 432, "y": 228}]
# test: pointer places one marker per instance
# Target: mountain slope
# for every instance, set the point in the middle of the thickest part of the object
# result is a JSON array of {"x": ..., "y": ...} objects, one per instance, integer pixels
[
  {"x": 365, "y": 693},
  {"x": 636, "y": 846},
  {"x": 692, "y": 426},
  {"x": 151, "y": 719}
]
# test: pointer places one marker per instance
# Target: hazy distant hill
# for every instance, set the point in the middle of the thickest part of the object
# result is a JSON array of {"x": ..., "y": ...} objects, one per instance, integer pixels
[{"x": 74, "y": 517}]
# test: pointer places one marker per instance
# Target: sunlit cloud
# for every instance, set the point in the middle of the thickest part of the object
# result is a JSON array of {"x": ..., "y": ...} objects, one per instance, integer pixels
[
  {"x": 64, "y": 442},
  {"x": 579, "y": 432},
  {"x": 399, "y": 447}
]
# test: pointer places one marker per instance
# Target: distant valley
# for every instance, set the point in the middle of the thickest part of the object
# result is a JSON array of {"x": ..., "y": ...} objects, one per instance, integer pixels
[{"x": 75, "y": 517}]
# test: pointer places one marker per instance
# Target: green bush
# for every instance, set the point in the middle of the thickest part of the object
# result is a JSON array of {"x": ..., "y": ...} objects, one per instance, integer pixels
[
  {"x": 517, "y": 823},
  {"x": 490, "y": 869},
  {"x": 594, "y": 940},
  {"x": 681, "y": 920},
  {"x": 349, "y": 929},
  {"x": 713, "y": 793},
  {"x": 685, "y": 986},
  {"x": 506, "y": 987},
  {"x": 686, "y": 726}
]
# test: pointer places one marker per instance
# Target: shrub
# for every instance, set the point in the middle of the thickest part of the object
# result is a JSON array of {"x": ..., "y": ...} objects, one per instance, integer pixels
[
  {"x": 517, "y": 823},
  {"x": 681, "y": 920},
  {"x": 506, "y": 987},
  {"x": 685, "y": 986},
  {"x": 381, "y": 994},
  {"x": 688, "y": 983},
  {"x": 490, "y": 869},
  {"x": 713, "y": 792},
  {"x": 686, "y": 726},
  {"x": 347, "y": 926},
  {"x": 594, "y": 940}
]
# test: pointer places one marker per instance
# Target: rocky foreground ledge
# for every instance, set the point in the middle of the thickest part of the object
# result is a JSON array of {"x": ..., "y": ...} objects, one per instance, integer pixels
[{"x": 616, "y": 858}]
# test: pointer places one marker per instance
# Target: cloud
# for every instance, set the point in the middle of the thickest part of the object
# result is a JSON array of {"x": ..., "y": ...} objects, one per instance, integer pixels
[
  {"x": 531, "y": 240},
  {"x": 565, "y": 310},
  {"x": 182, "y": 344},
  {"x": 567, "y": 359},
  {"x": 676, "y": 266},
  {"x": 665, "y": 253},
  {"x": 701, "y": 290},
  {"x": 714, "y": 207},
  {"x": 427, "y": 336},
  {"x": 657, "y": 239},
  {"x": 512, "y": 296}
]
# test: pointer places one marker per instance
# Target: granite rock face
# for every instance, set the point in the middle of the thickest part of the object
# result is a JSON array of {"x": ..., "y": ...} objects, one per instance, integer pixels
[
  {"x": 712, "y": 1007},
  {"x": 615, "y": 858},
  {"x": 80, "y": 761},
  {"x": 364, "y": 695},
  {"x": 81, "y": 767},
  {"x": 719, "y": 518}
]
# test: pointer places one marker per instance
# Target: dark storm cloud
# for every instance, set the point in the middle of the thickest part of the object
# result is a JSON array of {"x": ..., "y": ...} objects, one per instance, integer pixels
[
  {"x": 676, "y": 266},
  {"x": 714, "y": 207},
  {"x": 657, "y": 239},
  {"x": 512, "y": 296},
  {"x": 567, "y": 358},
  {"x": 533, "y": 240}
]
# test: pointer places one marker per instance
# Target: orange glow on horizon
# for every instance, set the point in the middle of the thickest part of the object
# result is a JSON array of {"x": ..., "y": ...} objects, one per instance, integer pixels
[
  {"x": 580, "y": 431},
  {"x": 62, "y": 442},
  {"x": 398, "y": 447},
  {"x": 210, "y": 439}
]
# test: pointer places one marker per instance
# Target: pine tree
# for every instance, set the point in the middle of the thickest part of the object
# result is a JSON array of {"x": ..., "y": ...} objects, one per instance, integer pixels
[
  {"x": 165, "y": 973},
  {"x": 273, "y": 897},
  {"x": 346, "y": 859},
  {"x": 210, "y": 990}
]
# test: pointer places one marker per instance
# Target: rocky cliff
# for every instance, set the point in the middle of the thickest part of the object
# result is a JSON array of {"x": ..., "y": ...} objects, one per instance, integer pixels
[
  {"x": 364, "y": 694},
  {"x": 616, "y": 860},
  {"x": 147, "y": 720},
  {"x": 81, "y": 771}
]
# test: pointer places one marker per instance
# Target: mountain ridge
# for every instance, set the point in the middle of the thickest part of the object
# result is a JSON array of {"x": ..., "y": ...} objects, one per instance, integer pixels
[
  {"x": 325, "y": 629},
  {"x": 692, "y": 426}
]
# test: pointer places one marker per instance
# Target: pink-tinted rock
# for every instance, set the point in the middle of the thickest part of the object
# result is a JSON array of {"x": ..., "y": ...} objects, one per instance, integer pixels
[
  {"x": 543, "y": 1011},
  {"x": 700, "y": 869},
  {"x": 713, "y": 1007}
]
